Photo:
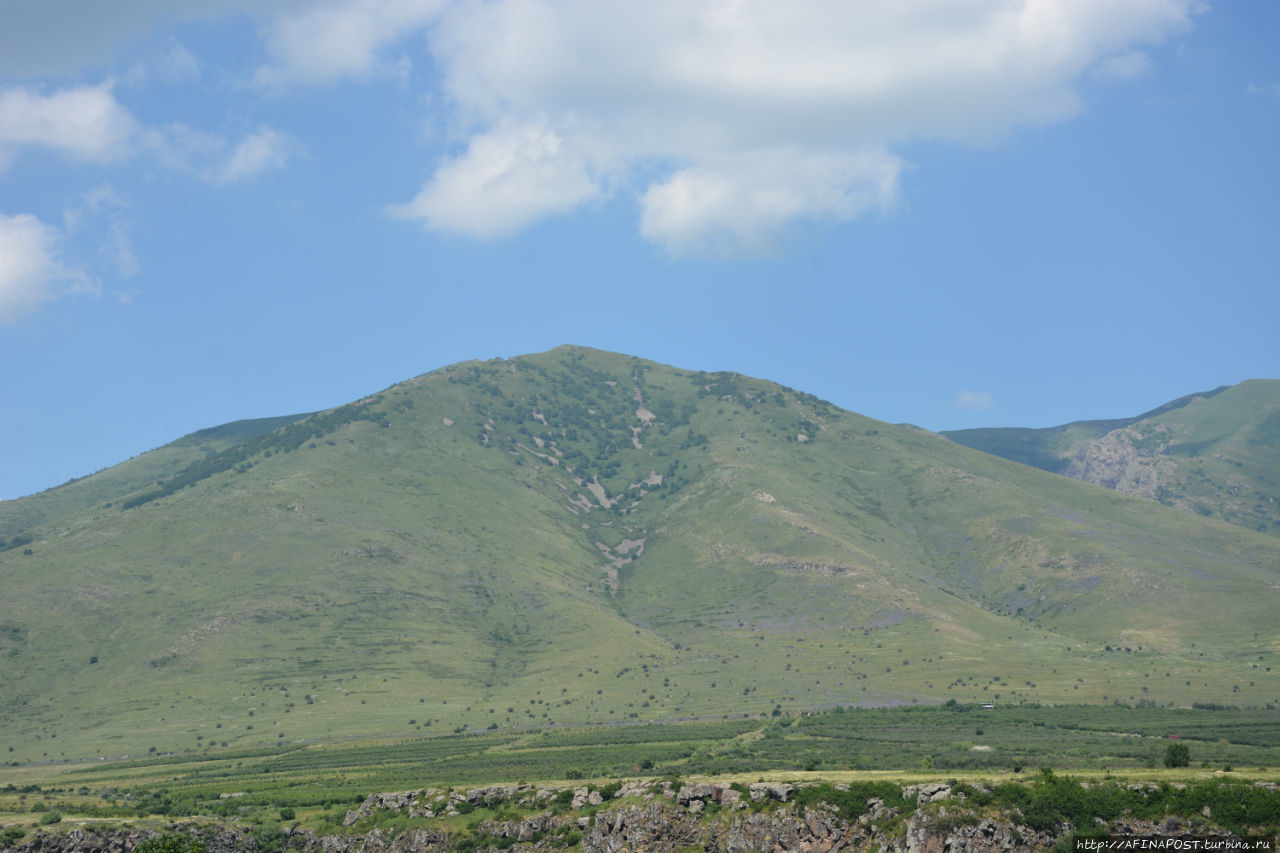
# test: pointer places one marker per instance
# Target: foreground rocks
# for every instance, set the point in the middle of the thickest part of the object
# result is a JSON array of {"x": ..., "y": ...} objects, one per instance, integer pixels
[{"x": 647, "y": 816}]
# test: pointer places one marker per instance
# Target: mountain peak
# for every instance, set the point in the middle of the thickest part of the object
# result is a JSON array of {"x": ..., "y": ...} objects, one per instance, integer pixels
[{"x": 585, "y": 537}]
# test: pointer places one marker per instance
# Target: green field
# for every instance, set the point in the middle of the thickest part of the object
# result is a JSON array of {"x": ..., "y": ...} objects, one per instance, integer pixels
[{"x": 964, "y": 739}]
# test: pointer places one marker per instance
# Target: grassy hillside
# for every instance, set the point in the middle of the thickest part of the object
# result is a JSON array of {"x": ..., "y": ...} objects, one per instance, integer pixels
[
  {"x": 1216, "y": 454},
  {"x": 583, "y": 537},
  {"x": 81, "y": 494}
]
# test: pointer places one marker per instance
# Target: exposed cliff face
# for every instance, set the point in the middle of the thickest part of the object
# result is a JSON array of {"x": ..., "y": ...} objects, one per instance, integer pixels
[{"x": 1124, "y": 460}]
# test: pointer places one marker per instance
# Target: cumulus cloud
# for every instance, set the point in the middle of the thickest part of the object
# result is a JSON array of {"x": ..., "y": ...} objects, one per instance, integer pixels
[
  {"x": 86, "y": 122},
  {"x": 739, "y": 203},
  {"x": 507, "y": 178},
  {"x": 974, "y": 400},
  {"x": 737, "y": 118},
  {"x": 31, "y": 270},
  {"x": 726, "y": 120}
]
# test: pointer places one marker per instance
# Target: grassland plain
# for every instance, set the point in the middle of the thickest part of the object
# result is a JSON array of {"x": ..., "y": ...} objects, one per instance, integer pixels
[
  {"x": 1216, "y": 453},
  {"x": 581, "y": 537},
  {"x": 315, "y": 785}
]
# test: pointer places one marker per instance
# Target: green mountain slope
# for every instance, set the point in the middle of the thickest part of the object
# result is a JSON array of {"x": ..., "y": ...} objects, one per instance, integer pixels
[
  {"x": 584, "y": 537},
  {"x": 1216, "y": 453},
  {"x": 78, "y": 495}
]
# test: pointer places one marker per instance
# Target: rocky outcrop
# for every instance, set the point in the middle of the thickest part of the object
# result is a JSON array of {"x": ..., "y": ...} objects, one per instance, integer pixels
[
  {"x": 928, "y": 793},
  {"x": 1119, "y": 460},
  {"x": 762, "y": 791},
  {"x": 218, "y": 840},
  {"x": 658, "y": 818}
]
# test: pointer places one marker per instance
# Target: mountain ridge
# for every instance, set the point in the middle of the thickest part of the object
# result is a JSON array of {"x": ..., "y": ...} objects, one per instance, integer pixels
[
  {"x": 1214, "y": 453},
  {"x": 580, "y": 537}
]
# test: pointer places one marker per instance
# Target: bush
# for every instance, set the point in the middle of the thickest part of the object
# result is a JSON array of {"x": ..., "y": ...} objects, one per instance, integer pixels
[
  {"x": 1177, "y": 755},
  {"x": 172, "y": 843},
  {"x": 852, "y": 804},
  {"x": 51, "y": 816},
  {"x": 270, "y": 837}
]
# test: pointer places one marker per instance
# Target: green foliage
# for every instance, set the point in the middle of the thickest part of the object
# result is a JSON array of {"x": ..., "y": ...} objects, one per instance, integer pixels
[
  {"x": 171, "y": 843},
  {"x": 1177, "y": 755},
  {"x": 852, "y": 803},
  {"x": 50, "y": 817},
  {"x": 270, "y": 837},
  {"x": 1047, "y": 804}
]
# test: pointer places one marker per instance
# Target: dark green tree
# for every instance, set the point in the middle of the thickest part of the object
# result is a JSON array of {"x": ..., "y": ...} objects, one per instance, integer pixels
[{"x": 1177, "y": 755}]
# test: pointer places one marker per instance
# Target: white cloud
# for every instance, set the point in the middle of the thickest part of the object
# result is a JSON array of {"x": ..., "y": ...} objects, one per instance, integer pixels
[
  {"x": 1268, "y": 89},
  {"x": 506, "y": 179},
  {"x": 729, "y": 120},
  {"x": 31, "y": 271},
  {"x": 86, "y": 122},
  {"x": 212, "y": 157},
  {"x": 260, "y": 151},
  {"x": 738, "y": 203},
  {"x": 740, "y": 117},
  {"x": 337, "y": 39},
  {"x": 974, "y": 400}
]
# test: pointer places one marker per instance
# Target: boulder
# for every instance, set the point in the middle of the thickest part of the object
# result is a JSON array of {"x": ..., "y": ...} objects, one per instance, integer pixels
[{"x": 761, "y": 791}]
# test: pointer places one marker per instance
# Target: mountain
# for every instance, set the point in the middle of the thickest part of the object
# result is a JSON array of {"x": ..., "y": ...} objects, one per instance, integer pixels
[
  {"x": 157, "y": 466},
  {"x": 586, "y": 537},
  {"x": 1216, "y": 453}
]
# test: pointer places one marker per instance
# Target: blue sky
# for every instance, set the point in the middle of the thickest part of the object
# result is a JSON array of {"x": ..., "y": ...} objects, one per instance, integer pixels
[{"x": 955, "y": 214}]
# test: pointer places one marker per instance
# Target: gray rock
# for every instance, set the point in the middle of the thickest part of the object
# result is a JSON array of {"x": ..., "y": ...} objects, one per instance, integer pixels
[{"x": 761, "y": 791}]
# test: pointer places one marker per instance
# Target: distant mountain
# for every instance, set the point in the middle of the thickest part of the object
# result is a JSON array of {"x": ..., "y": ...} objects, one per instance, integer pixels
[
  {"x": 585, "y": 537},
  {"x": 1216, "y": 453}
]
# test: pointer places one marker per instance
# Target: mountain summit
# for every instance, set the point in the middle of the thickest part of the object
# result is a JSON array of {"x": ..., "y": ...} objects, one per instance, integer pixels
[{"x": 586, "y": 537}]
